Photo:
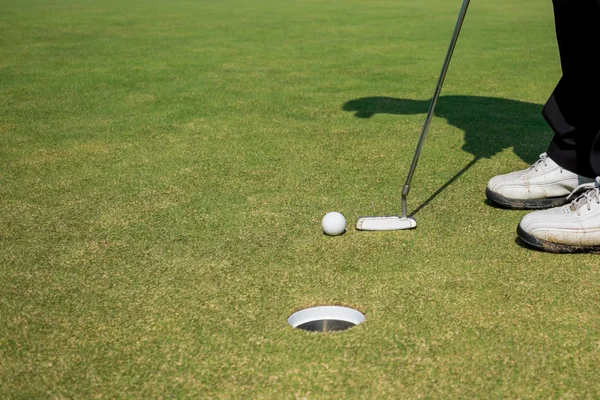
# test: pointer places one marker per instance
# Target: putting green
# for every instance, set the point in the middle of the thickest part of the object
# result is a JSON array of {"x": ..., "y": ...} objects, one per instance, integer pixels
[{"x": 165, "y": 166}]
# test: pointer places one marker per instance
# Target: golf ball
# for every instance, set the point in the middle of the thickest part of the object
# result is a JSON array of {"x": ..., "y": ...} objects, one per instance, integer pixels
[{"x": 334, "y": 223}]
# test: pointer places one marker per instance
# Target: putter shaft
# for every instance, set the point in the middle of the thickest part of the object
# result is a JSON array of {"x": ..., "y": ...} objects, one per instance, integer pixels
[{"x": 436, "y": 95}]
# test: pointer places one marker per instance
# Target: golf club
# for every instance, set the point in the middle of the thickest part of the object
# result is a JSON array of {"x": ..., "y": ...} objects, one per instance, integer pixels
[{"x": 389, "y": 223}]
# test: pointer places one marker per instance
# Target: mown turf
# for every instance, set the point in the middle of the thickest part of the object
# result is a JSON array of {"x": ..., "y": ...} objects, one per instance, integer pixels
[{"x": 164, "y": 167}]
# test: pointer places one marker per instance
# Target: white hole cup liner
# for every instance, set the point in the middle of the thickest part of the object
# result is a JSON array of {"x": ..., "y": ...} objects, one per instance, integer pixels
[{"x": 326, "y": 318}]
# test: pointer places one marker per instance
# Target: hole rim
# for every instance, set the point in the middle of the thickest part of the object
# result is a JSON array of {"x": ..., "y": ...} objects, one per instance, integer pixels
[{"x": 322, "y": 313}]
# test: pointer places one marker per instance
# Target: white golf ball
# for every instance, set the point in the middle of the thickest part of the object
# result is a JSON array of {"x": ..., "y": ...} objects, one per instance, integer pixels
[{"x": 334, "y": 223}]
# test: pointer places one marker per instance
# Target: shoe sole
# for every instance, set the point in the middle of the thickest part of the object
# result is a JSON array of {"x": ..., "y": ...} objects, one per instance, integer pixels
[
  {"x": 544, "y": 245},
  {"x": 533, "y": 204}
]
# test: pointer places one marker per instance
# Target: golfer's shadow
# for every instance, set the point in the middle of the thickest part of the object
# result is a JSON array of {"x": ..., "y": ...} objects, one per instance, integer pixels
[{"x": 490, "y": 124}]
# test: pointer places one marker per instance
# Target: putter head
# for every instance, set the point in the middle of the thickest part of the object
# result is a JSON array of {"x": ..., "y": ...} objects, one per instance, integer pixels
[{"x": 391, "y": 223}]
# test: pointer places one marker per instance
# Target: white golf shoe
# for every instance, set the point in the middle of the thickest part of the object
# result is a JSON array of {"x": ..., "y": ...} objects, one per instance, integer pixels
[
  {"x": 572, "y": 228},
  {"x": 543, "y": 185}
]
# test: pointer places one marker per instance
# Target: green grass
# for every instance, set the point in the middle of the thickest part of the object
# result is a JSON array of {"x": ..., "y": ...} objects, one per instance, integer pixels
[{"x": 165, "y": 165}]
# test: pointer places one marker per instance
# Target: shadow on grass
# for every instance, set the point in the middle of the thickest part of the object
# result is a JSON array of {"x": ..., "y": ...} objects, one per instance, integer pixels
[{"x": 490, "y": 124}]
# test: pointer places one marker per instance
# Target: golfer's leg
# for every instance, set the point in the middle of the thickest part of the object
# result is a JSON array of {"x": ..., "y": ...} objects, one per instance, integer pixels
[
  {"x": 573, "y": 157},
  {"x": 572, "y": 110}
]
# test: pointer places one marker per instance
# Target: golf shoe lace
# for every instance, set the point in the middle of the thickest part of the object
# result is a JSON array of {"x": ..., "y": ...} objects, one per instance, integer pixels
[
  {"x": 590, "y": 193},
  {"x": 542, "y": 160}
]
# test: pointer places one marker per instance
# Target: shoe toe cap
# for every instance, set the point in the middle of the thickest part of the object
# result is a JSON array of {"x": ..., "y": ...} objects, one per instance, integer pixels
[
  {"x": 496, "y": 183},
  {"x": 541, "y": 222},
  {"x": 511, "y": 185},
  {"x": 560, "y": 225}
]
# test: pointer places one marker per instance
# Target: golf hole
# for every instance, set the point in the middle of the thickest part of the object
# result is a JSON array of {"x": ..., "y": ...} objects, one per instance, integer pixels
[{"x": 326, "y": 319}]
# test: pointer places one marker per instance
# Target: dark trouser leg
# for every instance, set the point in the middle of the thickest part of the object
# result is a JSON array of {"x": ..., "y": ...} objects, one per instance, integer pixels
[{"x": 573, "y": 110}]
